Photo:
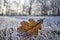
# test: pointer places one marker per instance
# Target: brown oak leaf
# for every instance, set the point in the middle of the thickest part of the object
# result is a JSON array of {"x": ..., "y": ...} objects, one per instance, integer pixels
[{"x": 31, "y": 27}]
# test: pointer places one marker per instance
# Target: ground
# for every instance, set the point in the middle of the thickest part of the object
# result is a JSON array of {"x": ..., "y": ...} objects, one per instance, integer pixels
[{"x": 50, "y": 27}]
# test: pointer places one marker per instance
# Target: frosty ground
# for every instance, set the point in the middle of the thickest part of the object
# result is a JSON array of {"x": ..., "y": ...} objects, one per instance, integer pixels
[{"x": 50, "y": 27}]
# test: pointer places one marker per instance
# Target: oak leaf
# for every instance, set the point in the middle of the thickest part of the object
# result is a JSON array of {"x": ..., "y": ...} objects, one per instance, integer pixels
[{"x": 31, "y": 27}]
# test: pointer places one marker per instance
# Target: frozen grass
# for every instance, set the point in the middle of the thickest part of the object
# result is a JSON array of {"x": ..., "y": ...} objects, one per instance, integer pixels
[{"x": 50, "y": 28}]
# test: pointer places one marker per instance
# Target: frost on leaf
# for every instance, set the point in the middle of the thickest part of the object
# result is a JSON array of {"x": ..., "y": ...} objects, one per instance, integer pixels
[{"x": 30, "y": 28}]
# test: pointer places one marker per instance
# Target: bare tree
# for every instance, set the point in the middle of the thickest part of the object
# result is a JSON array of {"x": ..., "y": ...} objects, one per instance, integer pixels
[{"x": 31, "y": 2}]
